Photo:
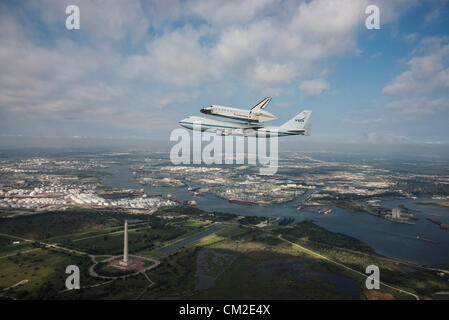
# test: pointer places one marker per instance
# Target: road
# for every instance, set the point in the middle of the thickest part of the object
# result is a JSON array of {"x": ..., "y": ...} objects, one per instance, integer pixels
[
  {"x": 93, "y": 259},
  {"x": 148, "y": 287},
  {"x": 14, "y": 254},
  {"x": 316, "y": 254},
  {"x": 93, "y": 273},
  {"x": 15, "y": 237},
  {"x": 390, "y": 259},
  {"x": 17, "y": 284},
  {"x": 376, "y": 256},
  {"x": 157, "y": 262},
  {"x": 108, "y": 234}
]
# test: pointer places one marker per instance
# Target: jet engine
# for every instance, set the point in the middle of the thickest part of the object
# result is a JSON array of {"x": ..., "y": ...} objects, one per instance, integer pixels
[
  {"x": 237, "y": 132},
  {"x": 249, "y": 132},
  {"x": 224, "y": 132}
]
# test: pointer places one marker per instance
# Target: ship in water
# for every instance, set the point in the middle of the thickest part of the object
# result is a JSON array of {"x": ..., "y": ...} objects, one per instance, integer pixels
[
  {"x": 441, "y": 224},
  {"x": 426, "y": 240},
  {"x": 242, "y": 202},
  {"x": 174, "y": 198},
  {"x": 324, "y": 210}
]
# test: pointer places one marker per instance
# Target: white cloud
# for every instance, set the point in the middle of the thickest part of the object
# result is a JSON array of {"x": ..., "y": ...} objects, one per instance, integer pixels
[
  {"x": 410, "y": 37},
  {"x": 70, "y": 82},
  {"x": 116, "y": 72},
  {"x": 230, "y": 12},
  {"x": 175, "y": 58},
  {"x": 250, "y": 46},
  {"x": 374, "y": 137},
  {"x": 436, "y": 12},
  {"x": 101, "y": 20},
  {"x": 314, "y": 87},
  {"x": 419, "y": 107},
  {"x": 426, "y": 72},
  {"x": 304, "y": 36},
  {"x": 273, "y": 73}
]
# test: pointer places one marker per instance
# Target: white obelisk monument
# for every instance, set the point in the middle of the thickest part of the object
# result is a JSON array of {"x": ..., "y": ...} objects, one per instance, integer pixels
[{"x": 125, "y": 246}]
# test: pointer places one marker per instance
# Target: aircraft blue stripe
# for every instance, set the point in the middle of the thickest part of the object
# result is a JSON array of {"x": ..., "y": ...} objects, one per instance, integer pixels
[
  {"x": 210, "y": 125},
  {"x": 213, "y": 125}
]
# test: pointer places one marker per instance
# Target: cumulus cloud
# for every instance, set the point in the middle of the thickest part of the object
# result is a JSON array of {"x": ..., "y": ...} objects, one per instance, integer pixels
[
  {"x": 426, "y": 72},
  {"x": 175, "y": 58},
  {"x": 314, "y": 87},
  {"x": 230, "y": 12},
  {"x": 101, "y": 20},
  {"x": 273, "y": 73},
  {"x": 298, "y": 35},
  {"x": 419, "y": 107},
  {"x": 70, "y": 82},
  {"x": 132, "y": 59}
]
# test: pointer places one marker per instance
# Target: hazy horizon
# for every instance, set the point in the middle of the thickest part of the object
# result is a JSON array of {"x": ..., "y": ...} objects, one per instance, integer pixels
[{"x": 428, "y": 151}]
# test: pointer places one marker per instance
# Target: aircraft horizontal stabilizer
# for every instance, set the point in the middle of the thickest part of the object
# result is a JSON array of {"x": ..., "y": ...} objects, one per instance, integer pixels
[{"x": 307, "y": 129}]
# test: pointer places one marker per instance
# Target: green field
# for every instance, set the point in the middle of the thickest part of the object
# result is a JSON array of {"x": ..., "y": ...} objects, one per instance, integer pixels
[
  {"x": 240, "y": 261},
  {"x": 44, "y": 271}
]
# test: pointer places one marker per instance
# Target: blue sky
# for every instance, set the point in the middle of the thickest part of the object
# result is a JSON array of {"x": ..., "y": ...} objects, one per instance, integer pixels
[{"x": 134, "y": 69}]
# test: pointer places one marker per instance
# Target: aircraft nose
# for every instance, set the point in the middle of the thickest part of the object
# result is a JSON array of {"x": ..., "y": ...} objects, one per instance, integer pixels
[
  {"x": 206, "y": 110},
  {"x": 183, "y": 122}
]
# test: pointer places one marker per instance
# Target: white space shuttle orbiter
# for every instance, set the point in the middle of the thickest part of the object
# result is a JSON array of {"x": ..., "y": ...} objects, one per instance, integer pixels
[{"x": 255, "y": 114}]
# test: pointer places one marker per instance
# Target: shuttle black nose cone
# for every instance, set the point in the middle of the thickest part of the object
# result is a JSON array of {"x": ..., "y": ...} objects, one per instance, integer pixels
[{"x": 205, "y": 111}]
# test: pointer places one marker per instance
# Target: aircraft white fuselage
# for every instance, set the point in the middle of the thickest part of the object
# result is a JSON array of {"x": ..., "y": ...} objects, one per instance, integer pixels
[
  {"x": 256, "y": 114},
  {"x": 296, "y": 126},
  {"x": 239, "y": 114}
]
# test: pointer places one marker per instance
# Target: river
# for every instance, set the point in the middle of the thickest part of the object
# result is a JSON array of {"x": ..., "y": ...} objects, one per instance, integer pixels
[{"x": 388, "y": 238}]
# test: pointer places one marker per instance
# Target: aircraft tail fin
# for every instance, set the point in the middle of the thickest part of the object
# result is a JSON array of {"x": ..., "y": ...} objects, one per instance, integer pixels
[
  {"x": 298, "y": 123},
  {"x": 261, "y": 105}
]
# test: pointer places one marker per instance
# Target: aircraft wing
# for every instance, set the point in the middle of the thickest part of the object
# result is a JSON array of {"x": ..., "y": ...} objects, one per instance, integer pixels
[{"x": 255, "y": 127}]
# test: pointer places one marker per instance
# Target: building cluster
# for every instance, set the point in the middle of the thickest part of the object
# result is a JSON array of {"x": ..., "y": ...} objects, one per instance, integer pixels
[
  {"x": 227, "y": 183},
  {"x": 62, "y": 198},
  {"x": 43, "y": 165},
  {"x": 397, "y": 216},
  {"x": 356, "y": 190},
  {"x": 32, "y": 203},
  {"x": 43, "y": 183},
  {"x": 39, "y": 184}
]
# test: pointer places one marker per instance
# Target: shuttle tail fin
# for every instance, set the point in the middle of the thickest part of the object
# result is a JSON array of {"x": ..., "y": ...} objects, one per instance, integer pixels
[{"x": 261, "y": 105}]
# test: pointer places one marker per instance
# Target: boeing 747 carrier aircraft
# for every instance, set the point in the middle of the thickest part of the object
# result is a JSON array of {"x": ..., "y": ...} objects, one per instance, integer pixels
[{"x": 296, "y": 126}]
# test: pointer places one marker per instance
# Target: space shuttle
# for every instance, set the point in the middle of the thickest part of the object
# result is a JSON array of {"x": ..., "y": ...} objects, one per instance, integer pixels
[
  {"x": 255, "y": 114},
  {"x": 251, "y": 125}
]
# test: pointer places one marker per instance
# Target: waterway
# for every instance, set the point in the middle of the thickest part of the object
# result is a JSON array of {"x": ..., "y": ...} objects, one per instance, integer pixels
[
  {"x": 388, "y": 238},
  {"x": 189, "y": 240}
]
